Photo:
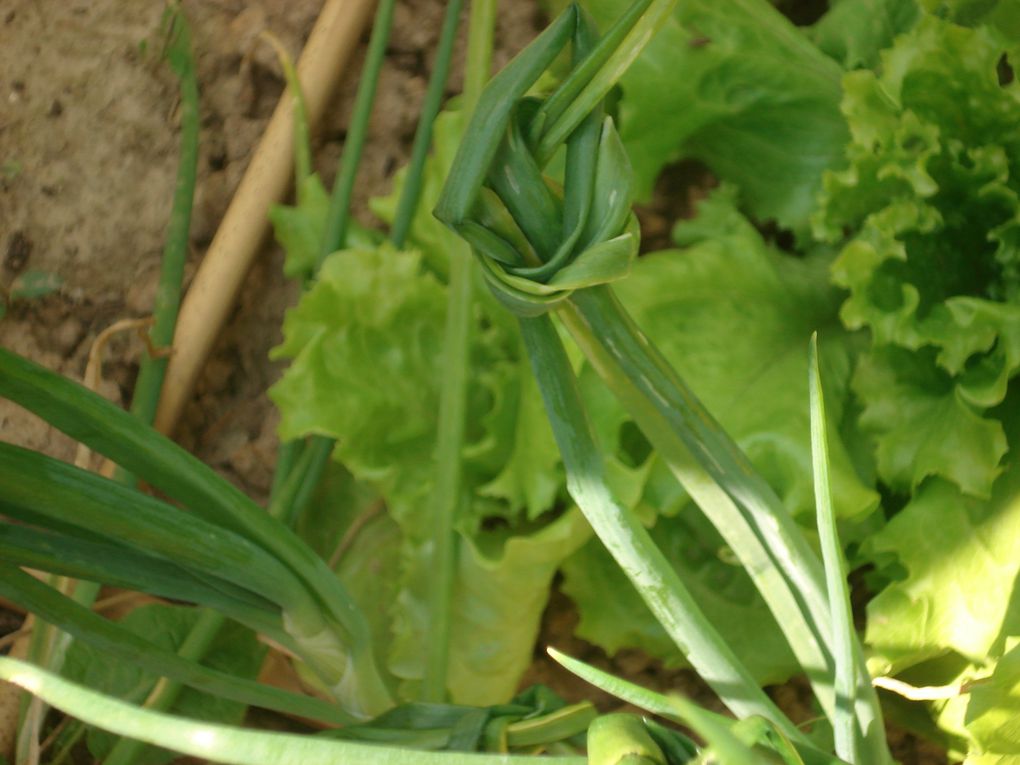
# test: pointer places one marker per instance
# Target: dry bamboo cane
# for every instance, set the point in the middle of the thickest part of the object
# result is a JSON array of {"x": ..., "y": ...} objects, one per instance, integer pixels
[{"x": 213, "y": 292}]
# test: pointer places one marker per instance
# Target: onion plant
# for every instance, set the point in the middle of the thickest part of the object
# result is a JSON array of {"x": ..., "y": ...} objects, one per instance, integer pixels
[{"x": 548, "y": 244}]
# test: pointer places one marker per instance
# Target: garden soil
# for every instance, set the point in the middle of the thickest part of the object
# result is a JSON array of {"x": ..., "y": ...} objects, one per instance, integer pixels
[{"x": 89, "y": 123}]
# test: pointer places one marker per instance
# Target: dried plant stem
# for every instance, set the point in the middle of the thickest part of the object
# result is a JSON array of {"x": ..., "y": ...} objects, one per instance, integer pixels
[{"x": 211, "y": 295}]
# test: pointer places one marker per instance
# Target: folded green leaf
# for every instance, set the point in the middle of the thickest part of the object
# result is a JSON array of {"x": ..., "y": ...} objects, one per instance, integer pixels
[{"x": 534, "y": 718}]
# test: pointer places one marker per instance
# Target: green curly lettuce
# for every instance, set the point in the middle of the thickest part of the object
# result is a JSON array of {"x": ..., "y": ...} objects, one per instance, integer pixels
[
  {"x": 993, "y": 715},
  {"x": 366, "y": 343},
  {"x": 854, "y": 32},
  {"x": 950, "y": 615},
  {"x": 961, "y": 555},
  {"x": 927, "y": 215},
  {"x": 737, "y": 86}
]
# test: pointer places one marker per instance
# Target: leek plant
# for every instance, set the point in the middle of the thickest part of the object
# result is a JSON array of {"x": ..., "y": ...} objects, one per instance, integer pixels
[{"x": 548, "y": 245}]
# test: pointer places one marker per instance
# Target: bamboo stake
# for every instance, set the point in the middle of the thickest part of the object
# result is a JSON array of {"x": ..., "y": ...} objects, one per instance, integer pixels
[{"x": 213, "y": 292}]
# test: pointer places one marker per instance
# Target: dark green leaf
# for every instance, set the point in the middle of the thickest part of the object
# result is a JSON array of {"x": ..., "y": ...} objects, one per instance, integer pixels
[
  {"x": 235, "y": 652},
  {"x": 120, "y": 644}
]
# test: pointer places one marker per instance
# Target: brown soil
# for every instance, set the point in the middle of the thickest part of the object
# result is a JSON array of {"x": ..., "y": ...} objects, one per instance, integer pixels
[{"x": 88, "y": 146}]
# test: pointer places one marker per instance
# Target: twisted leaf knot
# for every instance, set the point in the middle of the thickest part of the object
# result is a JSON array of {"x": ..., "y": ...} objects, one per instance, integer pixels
[{"x": 539, "y": 238}]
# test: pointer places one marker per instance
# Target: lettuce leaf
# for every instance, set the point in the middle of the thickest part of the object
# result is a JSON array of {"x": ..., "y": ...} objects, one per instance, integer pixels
[
  {"x": 528, "y": 481},
  {"x": 346, "y": 524},
  {"x": 502, "y": 586},
  {"x": 366, "y": 343},
  {"x": 739, "y": 87},
  {"x": 854, "y": 32},
  {"x": 962, "y": 555},
  {"x": 927, "y": 428},
  {"x": 999, "y": 16},
  {"x": 928, "y": 218},
  {"x": 954, "y": 617},
  {"x": 993, "y": 715},
  {"x": 298, "y": 228}
]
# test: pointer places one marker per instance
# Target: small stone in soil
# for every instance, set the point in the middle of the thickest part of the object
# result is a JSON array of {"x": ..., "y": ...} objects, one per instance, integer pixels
[
  {"x": 67, "y": 335},
  {"x": 19, "y": 248}
]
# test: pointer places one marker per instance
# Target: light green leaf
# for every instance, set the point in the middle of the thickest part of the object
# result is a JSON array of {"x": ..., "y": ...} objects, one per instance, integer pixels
[
  {"x": 928, "y": 217},
  {"x": 366, "y": 341},
  {"x": 501, "y": 589},
  {"x": 854, "y": 31},
  {"x": 622, "y": 739},
  {"x": 923, "y": 426},
  {"x": 993, "y": 715},
  {"x": 34, "y": 284},
  {"x": 992, "y": 759},
  {"x": 530, "y": 478},
  {"x": 299, "y": 228},
  {"x": 235, "y": 651},
  {"x": 962, "y": 556}
]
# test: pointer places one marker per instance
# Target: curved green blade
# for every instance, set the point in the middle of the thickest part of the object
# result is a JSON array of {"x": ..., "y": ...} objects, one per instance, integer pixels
[
  {"x": 225, "y": 744},
  {"x": 87, "y": 626}
]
